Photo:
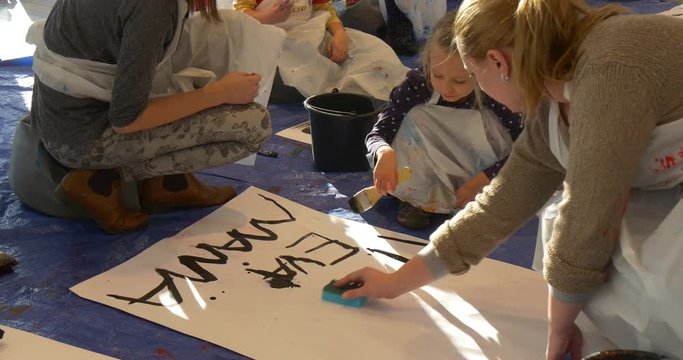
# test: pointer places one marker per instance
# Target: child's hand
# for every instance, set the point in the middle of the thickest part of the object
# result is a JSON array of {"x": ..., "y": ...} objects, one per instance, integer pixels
[
  {"x": 470, "y": 189},
  {"x": 277, "y": 13},
  {"x": 385, "y": 170},
  {"x": 338, "y": 47},
  {"x": 236, "y": 88}
]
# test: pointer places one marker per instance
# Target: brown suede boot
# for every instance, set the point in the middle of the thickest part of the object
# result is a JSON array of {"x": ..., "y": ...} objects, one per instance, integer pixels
[
  {"x": 157, "y": 195},
  {"x": 103, "y": 205}
]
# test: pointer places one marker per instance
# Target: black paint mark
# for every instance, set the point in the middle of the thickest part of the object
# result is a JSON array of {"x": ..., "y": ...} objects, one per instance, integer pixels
[
  {"x": 245, "y": 263},
  {"x": 213, "y": 298},
  {"x": 391, "y": 255},
  {"x": 239, "y": 242},
  {"x": 411, "y": 242},
  {"x": 353, "y": 250},
  {"x": 279, "y": 280}
]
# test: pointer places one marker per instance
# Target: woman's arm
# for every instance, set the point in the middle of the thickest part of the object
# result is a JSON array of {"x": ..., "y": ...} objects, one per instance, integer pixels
[
  {"x": 233, "y": 88},
  {"x": 564, "y": 336},
  {"x": 378, "y": 284}
]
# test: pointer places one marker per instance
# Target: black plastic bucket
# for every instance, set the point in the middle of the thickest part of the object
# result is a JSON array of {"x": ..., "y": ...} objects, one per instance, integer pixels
[{"x": 339, "y": 124}]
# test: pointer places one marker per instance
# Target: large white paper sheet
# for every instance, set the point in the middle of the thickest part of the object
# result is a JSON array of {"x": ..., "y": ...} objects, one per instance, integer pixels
[
  {"x": 249, "y": 277},
  {"x": 21, "y": 345}
]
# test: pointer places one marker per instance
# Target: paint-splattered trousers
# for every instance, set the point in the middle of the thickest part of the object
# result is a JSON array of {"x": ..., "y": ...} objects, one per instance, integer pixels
[{"x": 210, "y": 138}]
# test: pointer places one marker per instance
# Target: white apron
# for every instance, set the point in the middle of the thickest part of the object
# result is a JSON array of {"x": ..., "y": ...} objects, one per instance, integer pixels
[
  {"x": 199, "y": 53},
  {"x": 444, "y": 147},
  {"x": 372, "y": 67},
  {"x": 640, "y": 305}
]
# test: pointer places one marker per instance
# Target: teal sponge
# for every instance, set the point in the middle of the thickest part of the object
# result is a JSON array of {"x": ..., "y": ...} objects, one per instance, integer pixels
[{"x": 333, "y": 294}]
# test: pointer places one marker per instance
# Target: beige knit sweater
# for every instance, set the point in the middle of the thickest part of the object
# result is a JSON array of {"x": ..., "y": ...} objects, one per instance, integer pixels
[{"x": 629, "y": 79}]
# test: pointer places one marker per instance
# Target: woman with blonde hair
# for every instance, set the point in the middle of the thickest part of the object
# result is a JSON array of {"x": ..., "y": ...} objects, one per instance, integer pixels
[{"x": 602, "y": 93}]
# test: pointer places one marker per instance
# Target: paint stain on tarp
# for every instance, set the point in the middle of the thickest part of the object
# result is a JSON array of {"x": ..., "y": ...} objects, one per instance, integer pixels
[
  {"x": 163, "y": 353},
  {"x": 17, "y": 310}
]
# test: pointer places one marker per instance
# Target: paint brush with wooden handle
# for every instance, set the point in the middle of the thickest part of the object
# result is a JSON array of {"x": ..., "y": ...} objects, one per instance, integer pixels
[{"x": 368, "y": 197}]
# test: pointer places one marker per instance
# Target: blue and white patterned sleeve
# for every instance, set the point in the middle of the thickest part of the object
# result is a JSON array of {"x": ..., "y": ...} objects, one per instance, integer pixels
[{"x": 411, "y": 92}]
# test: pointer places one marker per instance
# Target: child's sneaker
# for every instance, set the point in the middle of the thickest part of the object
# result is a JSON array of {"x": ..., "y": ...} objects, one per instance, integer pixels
[{"x": 412, "y": 217}]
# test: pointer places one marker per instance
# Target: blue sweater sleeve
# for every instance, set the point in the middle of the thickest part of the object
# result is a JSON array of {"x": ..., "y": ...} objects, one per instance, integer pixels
[
  {"x": 411, "y": 92},
  {"x": 512, "y": 122}
]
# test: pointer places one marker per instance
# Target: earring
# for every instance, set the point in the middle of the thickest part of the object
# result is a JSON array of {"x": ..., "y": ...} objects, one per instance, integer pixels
[{"x": 504, "y": 77}]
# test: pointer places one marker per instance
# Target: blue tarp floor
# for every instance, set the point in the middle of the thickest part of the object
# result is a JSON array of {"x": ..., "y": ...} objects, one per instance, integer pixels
[{"x": 55, "y": 254}]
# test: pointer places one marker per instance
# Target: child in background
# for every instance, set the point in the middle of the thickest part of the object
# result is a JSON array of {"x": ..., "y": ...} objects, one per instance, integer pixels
[
  {"x": 441, "y": 141},
  {"x": 320, "y": 54},
  {"x": 293, "y": 11}
]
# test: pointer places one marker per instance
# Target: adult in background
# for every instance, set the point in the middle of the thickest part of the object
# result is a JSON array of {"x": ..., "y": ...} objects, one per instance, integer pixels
[{"x": 94, "y": 110}]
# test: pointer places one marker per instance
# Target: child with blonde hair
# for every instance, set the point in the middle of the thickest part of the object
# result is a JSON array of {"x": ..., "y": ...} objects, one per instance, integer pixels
[{"x": 434, "y": 125}]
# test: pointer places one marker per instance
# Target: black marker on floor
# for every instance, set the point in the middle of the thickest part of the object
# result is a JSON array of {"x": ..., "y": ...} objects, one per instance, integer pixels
[{"x": 267, "y": 153}]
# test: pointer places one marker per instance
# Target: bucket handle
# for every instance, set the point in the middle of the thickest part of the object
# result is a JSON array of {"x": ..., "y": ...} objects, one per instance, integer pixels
[{"x": 332, "y": 112}]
